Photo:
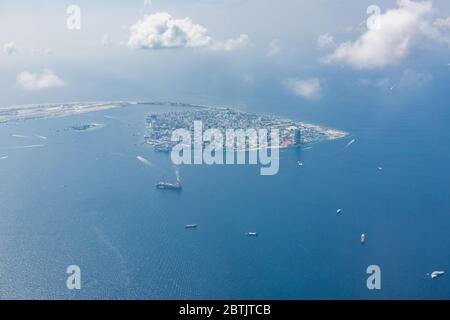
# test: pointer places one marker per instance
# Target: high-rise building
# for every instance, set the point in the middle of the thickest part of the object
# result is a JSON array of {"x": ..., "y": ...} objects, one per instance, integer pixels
[{"x": 297, "y": 137}]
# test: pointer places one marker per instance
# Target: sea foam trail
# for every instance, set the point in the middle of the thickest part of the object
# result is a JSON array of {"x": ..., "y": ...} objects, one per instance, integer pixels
[
  {"x": 144, "y": 161},
  {"x": 177, "y": 173},
  {"x": 18, "y": 136},
  {"x": 30, "y": 146},
  {"x": 112, "y": 118},
  {"x": 4, "y": 157},
  {"x": 149, "y": 163}
]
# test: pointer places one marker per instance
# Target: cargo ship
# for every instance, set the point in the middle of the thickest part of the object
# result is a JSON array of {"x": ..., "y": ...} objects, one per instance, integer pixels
[{"x": 169, "y": 186}]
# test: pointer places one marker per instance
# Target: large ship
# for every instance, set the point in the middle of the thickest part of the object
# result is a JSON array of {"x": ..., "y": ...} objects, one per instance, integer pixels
[{"x": 169, "y": 186}]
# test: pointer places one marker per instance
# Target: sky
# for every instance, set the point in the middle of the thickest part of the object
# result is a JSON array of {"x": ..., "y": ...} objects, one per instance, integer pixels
[{"x": 272, "y": 56}]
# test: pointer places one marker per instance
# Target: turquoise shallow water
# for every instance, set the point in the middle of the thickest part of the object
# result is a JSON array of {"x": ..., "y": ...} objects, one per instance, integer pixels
[{"x": 83, "y": 198}]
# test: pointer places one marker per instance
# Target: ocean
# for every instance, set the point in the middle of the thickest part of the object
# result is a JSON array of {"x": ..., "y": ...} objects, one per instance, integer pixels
[{"x": 83, "y": 198}]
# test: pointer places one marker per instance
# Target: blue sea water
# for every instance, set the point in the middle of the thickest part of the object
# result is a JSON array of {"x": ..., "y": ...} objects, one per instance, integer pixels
[{"x": 83, "y": 198}]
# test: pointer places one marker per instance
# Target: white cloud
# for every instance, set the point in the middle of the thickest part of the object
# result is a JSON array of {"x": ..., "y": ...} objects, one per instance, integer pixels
[
  {"x": 387, "y": 45},
  {"x": 408, "y": 79},
  {"x": 10, "y": 48},
  {"x": 363, "y": 82},
  {"x": 38, "y": 81},
  {"x": 325, "y": 40},
  {"x": 385, "y": 83},
  {"x": 161, "y": 30},
  {"x": 106, "y": 40},
  {"x": 231, "y": 44},
  {"x": 41, "y": 51},
  {"x": 413, "y": 78},
  {"x": 443, "y": 23},
  {"x": 275, "y": 48},
  {"x": 308, "y": 88}
]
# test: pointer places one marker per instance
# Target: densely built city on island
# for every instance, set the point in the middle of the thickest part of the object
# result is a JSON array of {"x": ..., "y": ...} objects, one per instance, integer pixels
[{"x": 292, "y": 133}]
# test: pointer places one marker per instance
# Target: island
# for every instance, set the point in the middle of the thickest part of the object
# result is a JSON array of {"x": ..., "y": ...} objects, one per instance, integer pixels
[{"x": 159, "y": 126}]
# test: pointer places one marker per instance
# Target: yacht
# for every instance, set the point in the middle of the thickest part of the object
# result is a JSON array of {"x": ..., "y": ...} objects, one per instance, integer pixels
[{"x": 436, "y": 274}]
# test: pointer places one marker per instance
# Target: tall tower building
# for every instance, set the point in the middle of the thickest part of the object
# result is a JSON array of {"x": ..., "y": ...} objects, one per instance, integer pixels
[{"x": 297, "y": 137}]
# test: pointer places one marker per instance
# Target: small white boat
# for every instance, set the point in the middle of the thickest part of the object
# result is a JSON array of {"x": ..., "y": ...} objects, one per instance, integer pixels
[
  {"x": 190, "y": 226},
  {"x": 169, "y": 186},
  {"x": 436, "y": 274},
  {"x": 350, "y": 143},
  {"x": 252, "y": 234},
  {"x": 363, "y": 238},
  {"x": 300, "y": 163},
  {"x": 338, "y": 211}
]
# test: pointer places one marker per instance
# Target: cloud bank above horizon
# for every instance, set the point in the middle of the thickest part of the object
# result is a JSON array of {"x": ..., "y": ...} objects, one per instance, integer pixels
[
  {"x": 46, "y": 79},
  {"x": 162, "y": 31},
  {"x": 212, "y": 49},
  {"x": 397, "y": 32}
]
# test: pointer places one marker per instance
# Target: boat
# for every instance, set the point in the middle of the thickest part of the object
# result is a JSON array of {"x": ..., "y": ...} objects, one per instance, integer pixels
[
  {"x": 436, "y": 274},
  {"x": 169, "y": 186},
  {"x": 338, "y": 211},
  {"x": 363, "y": 238},
  {"x": 252, "y": 234},
  {"x": 190, "y": 226}
]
